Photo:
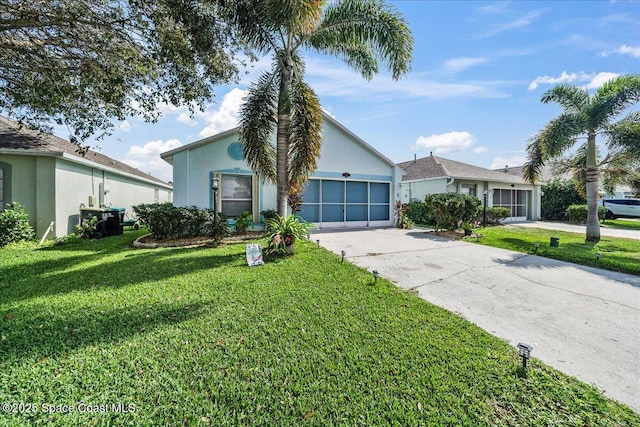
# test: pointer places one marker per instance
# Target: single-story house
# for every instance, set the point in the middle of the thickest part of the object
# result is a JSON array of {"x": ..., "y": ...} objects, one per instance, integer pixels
[
  {"x": 432, "y": 174},
  {"x": 354, "y": 185},
  {"x": 52, "y": 180}
]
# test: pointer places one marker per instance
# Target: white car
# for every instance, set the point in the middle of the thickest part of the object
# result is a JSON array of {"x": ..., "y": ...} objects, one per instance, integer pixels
[{"x": 622, "y": 208}]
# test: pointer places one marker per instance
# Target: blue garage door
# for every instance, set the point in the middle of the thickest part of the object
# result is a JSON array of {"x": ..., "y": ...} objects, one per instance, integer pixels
[{"x": 332, "y": 203}]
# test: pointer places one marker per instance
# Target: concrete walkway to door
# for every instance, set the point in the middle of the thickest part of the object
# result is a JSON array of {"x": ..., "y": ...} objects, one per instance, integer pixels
[{"x": 582, "y": 321}]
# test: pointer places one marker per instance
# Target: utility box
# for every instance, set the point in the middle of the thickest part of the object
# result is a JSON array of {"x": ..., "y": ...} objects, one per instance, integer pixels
[{"x": 554, "y": 242}]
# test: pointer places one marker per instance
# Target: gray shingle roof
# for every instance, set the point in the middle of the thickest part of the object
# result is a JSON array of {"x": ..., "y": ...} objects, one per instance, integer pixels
[
  {"x": 13, "y": 137},
  {"x": 438, "y": 167}
]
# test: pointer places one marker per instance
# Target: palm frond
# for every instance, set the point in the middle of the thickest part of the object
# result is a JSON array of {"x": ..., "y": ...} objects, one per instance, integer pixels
[
  {"x": 257, "y": 125},
  {"x": 536, "y": 157},
  {"x": 626, "y": 134},
  {"x": 572, "y": 99},
  {"x": 561, "y": 133},
  {"x": 305, "y": 138},
  {"x": 363, "y": 32},
  {"x": 613, "y": 97}
]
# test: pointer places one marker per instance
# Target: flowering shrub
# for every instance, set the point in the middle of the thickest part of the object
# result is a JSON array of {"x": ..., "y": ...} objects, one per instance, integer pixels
[
  {"x": 402, "y": 216},
  {"x": 283, "y": 233}
]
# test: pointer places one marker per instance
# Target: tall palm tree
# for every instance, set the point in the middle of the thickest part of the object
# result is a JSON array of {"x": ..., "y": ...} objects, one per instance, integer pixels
[
  {"x": 360, "y": 32},
  {"x": 587, "y": 116}
]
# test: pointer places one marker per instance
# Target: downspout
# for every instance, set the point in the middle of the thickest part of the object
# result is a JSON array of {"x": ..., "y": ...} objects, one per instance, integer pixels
[{"x": 452, "y": 180}]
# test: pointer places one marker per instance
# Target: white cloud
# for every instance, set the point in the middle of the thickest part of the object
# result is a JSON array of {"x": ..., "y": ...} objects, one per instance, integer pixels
[
  {"x": 479, "y": 150},
  {"x": 225, "y": 117},
  {"x": 521, "y": 22},
  {"x": 591, "y": 81},
  {"x": 455, "y": 65},
  {"x": 451, "y": 142},
  {"x": 147, "y": 158},
  {"x": 624, "y": 50},
  {"x": 125, "y": 126},
  {"x": 500, "y": 162}
]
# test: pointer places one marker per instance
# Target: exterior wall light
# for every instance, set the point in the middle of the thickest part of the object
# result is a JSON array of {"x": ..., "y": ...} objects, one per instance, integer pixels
[{"x": 524, "y": 350}]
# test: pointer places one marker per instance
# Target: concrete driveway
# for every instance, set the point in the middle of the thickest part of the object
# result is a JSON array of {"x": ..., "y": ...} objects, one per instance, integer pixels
[{"x": 582, "y": 321}]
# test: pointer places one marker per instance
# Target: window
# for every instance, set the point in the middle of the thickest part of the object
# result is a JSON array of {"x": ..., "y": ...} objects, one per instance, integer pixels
[
  {"x": 468, "y": 189},
  {"x": 236, "y": 194},
  {"x": 514, "y": 200}
]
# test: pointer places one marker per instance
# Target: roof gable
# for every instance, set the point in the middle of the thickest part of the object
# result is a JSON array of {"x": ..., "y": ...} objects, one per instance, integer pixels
[
  {"x": 437, "y": 167},
  {"x": 16, "y": 138}
]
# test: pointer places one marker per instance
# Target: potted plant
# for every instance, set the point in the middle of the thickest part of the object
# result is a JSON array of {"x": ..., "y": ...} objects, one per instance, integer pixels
[{"x": 283, "y": 233}]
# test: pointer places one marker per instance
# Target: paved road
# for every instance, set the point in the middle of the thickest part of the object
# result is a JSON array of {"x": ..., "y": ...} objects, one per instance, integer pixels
[
  {"x": 580, "y": 320},
  {"x": 611, "y": 232}
]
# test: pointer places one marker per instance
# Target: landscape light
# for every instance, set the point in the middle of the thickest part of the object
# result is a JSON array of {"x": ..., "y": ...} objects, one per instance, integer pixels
[
  {"x": 524, "y": 350},
  {"x": 535, "y": 247},
  {"x": 318, "y": 242},
  {"x": 343, "y": 253},
  {"x": 598, "y": 255},
  {"x": 375, "y": 276}
]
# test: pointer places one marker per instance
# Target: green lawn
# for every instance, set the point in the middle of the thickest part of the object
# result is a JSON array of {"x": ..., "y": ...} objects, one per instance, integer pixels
[
  {"x": 616, "y": 254},
  {"x": 195, "y": 337},
  {"x": 623, "y": 224}
]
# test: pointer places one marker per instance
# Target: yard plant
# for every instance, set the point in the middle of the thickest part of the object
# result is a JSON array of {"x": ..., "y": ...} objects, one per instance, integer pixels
[
  {"x": 14, "y": 225},
  {"x": 196, "y": 337}
]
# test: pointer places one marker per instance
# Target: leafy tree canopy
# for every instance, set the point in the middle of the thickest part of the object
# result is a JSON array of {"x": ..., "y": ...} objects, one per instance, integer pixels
[{"x": 84, "y": 62}]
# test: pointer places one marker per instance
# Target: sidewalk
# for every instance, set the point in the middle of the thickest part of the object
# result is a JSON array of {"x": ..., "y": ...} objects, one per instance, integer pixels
[{"x": 582, "y": 321}]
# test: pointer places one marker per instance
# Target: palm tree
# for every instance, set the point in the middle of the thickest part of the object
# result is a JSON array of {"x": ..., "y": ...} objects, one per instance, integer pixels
[
  {"x": 360, "y": 32},
  {"x": 587, "y": 116}
]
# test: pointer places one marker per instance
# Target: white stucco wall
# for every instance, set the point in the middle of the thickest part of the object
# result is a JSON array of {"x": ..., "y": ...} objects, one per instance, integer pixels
[{"x": 419, "y": 189}]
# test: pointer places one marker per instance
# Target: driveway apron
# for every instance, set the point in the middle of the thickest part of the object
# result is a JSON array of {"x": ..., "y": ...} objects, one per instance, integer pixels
[{"x": 582, "y": 321}]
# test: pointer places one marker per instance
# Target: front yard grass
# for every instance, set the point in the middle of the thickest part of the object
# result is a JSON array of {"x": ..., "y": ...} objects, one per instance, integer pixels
[
  {"x": 622, "y": 224},
  {"x": 617, "y": 254},
  {"x": 195, "y": 337}
]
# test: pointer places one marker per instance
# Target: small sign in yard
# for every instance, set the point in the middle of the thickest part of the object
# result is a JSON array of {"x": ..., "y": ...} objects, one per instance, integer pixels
[{"x": 254, "y": 254}]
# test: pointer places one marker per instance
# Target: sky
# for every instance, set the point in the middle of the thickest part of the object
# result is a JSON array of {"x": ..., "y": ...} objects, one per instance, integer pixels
[{"x": 473, "y": 94}]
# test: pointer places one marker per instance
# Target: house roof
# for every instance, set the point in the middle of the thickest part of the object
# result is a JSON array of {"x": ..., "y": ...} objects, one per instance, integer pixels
[
  {"x": 437, "y": 167},
  {"x": 17, "y": 139},
  {"x": 168, "y": 156}
]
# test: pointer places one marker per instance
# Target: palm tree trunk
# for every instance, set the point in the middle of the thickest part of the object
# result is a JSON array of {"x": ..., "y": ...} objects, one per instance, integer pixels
[
  {"x": 282, "y": 136},
  {"x": 593, "y": 225}
]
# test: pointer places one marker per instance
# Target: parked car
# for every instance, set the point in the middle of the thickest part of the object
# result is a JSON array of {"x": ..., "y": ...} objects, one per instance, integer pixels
[{"x": 622, "y": 208}]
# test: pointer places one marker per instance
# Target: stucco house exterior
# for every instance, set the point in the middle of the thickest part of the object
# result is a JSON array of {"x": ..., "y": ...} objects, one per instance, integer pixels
[
  {"x": 51, "y": 179},
  {"x": 432, "y": 174},
  {"x": 353, "y": 186}
]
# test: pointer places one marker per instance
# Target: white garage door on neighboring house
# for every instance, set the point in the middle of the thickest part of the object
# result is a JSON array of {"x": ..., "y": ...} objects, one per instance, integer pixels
[{"x": 341, "y": 203}]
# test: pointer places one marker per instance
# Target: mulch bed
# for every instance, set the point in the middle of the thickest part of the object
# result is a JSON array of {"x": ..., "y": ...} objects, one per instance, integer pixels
[{"x": 190, "y": 242}]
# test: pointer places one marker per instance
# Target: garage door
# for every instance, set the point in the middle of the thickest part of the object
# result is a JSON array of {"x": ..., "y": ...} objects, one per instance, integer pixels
[{"x": 339, "y": 203}]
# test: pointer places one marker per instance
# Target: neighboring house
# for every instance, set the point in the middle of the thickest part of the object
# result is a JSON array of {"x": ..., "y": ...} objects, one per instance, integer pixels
[
  {"x": 354, "y": 185},
  {"x": 432, "y": 174},
  {"x": 51, "y": 179}
]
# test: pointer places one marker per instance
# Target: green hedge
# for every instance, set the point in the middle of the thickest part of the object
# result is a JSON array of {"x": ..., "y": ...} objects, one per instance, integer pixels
[
  {"x": 14, "y": 225},
  {"x": 578, "y": 213},
  {"x": 167, "y": 221},
  {"x": 449, "y": 210},
  {"x": 497, "y": 214}
]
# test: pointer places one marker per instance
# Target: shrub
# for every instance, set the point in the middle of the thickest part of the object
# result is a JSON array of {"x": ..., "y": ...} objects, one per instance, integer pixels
[
  {"x": 558, "y": 195},
  {"x": 243, "y": 222},
  {"x": 167, "y": 221},
  {"x": 450, "y": 209},
  {"x": 418, "y": 211},
  {"x": 403, "y": 220},
  {"x": 496, "y": 214},
  {"x": 14, "y": 225},
  {"x": 267, "y": 215},
  {"x": 85, "y": 230},
  {"x": 578, "y": 213},
  {"x": 284, "y": 232}
]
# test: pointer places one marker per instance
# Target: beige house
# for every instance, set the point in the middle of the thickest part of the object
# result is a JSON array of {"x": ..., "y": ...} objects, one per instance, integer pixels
[
  {"x": 430, "y": 175},
  {"x": 52, "y": 180}
]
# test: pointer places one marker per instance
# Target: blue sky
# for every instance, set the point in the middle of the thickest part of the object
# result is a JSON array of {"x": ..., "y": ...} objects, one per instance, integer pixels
[{"x": 473, "y": 94}]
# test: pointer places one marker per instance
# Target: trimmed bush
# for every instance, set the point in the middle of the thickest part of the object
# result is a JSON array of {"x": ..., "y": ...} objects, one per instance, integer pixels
[
  {"x": 558, "y": 195},
  {"x": 166, "y": 221},
  {"x": 497, "y": 214},
  {"x": 448, "y": 210},
  {"x": 14, "y": 225},
  {"x": 578, "y": 213},
  {"x": 243, "y": 222},
  {"x": 418, "y": 211}
]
